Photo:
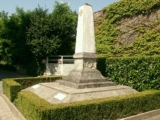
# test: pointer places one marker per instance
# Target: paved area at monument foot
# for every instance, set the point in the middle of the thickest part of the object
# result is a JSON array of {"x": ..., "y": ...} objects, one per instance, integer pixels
[{"x": 5, "y": 111}]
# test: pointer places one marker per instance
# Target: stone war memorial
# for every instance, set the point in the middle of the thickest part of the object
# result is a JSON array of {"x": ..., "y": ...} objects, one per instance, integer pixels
[{"x": 84, "y": 82}]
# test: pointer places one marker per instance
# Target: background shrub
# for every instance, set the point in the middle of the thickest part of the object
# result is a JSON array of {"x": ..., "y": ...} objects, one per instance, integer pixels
[{"x": 141, "y": 73}]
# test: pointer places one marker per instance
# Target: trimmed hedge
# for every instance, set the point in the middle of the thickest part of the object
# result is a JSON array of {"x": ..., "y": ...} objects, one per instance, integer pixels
[
  {"x": 12, "y": 86},
  {"x": 141, "y": 73},
  {"x": 35, "y": 108}
]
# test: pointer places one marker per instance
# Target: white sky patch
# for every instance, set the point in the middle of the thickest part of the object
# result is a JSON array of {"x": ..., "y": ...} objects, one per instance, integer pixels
[
  {"x": 36, "y": 86},
  {"x": 61, "y": 1},
  {"x": 69, "y": 4}
]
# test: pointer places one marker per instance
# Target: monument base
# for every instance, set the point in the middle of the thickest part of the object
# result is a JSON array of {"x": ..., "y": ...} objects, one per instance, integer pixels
[
  {"x": 57, "y": 94},
  {"x": 85, "y": 74},
  {"x": 86, "y": 78}
]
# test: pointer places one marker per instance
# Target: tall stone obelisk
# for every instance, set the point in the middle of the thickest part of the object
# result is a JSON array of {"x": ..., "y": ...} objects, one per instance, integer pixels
[{"x": 85, "y": 74}]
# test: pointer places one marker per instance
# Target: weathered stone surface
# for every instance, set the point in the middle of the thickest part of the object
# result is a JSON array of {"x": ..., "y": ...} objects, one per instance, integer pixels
[
  {"x": 85, "y": 39},
  {"x": 85, "y": 60},
  {"x": 98, "y": 15},
  {"x": 85, "y": 55},
  {"x": 128, "y": 26},
  {"x": 85, "y": 74},
  {"x": 87, "y": 84},
  {"x": 87, "y": 78},
  {"x": 57, "y": 94}
]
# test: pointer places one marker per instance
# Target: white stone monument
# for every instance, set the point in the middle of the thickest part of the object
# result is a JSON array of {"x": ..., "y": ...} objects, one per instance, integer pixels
[
  {"x": 85, "y": 74},
  {"x": 84, "y": 82},
  {"x": 85, "y": 39}
]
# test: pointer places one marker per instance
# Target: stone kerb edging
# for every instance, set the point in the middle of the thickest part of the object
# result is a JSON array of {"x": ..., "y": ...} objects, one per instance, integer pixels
[
  {"x": 143, "y": 116},
  {"x": 14, "y": 110}
]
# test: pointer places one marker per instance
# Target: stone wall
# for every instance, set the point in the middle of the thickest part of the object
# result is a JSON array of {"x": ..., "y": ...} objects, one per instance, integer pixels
[
  {"x": 129, "y": 26},
  {"x": 98, "y": 15}
]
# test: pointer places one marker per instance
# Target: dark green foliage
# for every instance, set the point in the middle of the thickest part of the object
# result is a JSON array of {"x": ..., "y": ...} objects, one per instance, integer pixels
[
  {"x": 27, "y": 37},
  {"x": 141, "y": 73},
  {"x": 12, "y": 86},
  {"x": 40, "y": 36},
  {"x": 3, "y": 15},
  {"x": 35, "y": 67},
  {"x": 64, "y": 27},
  {"x": 101, "y": 63},
  {"x": 7, "y": 67},
  {"x": 35, "y": 108},
  {"x": 13, "y": 39}
]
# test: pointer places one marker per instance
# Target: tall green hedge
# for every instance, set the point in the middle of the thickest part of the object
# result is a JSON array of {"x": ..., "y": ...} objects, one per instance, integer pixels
[
  {"x": 12, "y": 86},
  {"x": 35, "y": 108},
  {"x": 141, "y": 73}
]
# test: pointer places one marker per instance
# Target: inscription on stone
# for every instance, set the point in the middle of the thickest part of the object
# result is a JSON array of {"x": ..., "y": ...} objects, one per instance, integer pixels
[
  {"x": 81, "y": 12},
  {"x": 60, "y": 96},
  {"x": 36, "y": 86}
]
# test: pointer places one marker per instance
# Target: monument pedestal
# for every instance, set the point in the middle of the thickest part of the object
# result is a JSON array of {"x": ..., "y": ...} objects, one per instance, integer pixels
[
  {"x": 58, "y": 94},
  {"x": 85, "y": 74}
]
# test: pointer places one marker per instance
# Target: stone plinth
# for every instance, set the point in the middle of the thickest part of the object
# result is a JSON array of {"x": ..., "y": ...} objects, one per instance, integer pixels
[
  {"x": 57, "y": 94},
  {"x": 85, "y": 74}
]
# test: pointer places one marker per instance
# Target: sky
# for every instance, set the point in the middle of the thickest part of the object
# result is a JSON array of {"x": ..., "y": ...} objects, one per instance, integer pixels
[{"x": 10, "y": 5}]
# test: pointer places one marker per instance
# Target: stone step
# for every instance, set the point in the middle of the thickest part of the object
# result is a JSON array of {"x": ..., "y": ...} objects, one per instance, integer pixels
[
  {"x": 86, "y": 85},
  {"x": 55, "y": 93},
  {"x": 88, "y": 80}
]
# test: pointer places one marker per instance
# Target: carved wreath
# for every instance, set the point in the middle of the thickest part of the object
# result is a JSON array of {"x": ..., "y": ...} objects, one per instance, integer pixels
[{"x": 89, "y": 64}]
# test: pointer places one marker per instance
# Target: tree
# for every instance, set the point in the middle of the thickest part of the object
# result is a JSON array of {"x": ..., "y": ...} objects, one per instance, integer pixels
[
  {"x": 3, "y": 44},
  {"x": 3, "y": 15},
  {"x": 13, "y": 38},
  {"x": 28, "y": 37},
  {"x": 64, "y": 26},
  {"x": 50, "y": 34},
  {"x": 54, "y": 33},
  {"x": 40, "y": 37}
]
